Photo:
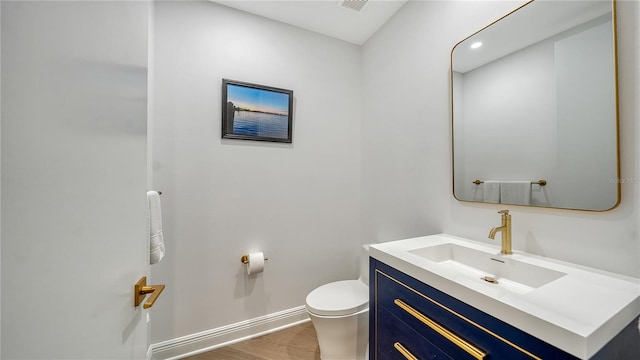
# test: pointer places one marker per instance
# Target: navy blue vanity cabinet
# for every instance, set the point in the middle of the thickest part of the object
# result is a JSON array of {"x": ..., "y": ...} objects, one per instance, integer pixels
[{"x": 411, "y": 320}]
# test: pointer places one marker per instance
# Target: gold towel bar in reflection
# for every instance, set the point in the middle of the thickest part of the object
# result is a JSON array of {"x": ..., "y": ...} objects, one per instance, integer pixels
[
  {"x": 140, "y": 291},
  {"x": 541, "y": 182}
]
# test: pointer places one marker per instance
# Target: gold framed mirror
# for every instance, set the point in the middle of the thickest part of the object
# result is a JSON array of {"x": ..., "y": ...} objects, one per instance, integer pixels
[{"x": 535, "y": 108}]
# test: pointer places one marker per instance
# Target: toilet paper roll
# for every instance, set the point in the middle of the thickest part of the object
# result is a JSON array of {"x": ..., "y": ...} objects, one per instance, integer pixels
[{"x": 256, "y": 263}]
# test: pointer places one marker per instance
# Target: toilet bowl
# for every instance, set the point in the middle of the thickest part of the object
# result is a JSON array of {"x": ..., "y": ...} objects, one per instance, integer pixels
[{"x": 339, "y": 312}]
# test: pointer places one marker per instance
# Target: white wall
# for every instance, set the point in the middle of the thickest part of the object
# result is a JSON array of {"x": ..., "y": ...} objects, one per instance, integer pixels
[
  {"x": 406, "y": 143},
  {"x": 299, "y": 203},
  {"x": 0, "y": 180}
]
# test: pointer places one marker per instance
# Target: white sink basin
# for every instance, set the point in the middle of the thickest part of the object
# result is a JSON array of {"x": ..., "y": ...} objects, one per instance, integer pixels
[{"x": 477, "y": 265}]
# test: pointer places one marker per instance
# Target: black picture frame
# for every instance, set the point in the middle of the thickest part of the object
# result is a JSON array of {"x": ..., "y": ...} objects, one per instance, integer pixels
[{"x": 256, "y": 112}]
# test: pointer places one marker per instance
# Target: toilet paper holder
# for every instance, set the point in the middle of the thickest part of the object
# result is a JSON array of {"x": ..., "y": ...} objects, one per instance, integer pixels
[{"x": 245, "y": 259}]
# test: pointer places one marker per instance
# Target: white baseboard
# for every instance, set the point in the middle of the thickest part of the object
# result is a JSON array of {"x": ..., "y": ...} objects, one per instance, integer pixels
[{"x": 226, "y": 335}]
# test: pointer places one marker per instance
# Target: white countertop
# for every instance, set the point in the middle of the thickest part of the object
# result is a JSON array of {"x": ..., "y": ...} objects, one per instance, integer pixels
[{"x": 578, "y": 313}]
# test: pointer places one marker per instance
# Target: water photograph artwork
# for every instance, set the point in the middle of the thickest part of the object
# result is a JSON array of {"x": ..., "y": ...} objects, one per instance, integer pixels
[{"x": 255, "y": 112}]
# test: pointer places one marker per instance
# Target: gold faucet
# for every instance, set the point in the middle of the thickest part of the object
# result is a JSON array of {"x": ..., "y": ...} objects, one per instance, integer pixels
[{"x": 506, "y": 232}]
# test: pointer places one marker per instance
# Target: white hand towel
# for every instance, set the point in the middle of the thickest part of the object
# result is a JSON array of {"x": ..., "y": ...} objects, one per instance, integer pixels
[
  {"x": 156, "y": 238},
  {"x": 491, "y": 191},
  {"x": 515, "y": 192}
]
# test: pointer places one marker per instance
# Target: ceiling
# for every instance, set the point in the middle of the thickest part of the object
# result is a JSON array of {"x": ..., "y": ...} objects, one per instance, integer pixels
[
  {"x": 535, "y": 22},
  {"x": 327, "y": 17}
]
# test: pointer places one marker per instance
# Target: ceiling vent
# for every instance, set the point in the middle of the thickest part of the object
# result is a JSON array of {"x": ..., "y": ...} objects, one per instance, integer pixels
[{"x": 355, "y": 5}]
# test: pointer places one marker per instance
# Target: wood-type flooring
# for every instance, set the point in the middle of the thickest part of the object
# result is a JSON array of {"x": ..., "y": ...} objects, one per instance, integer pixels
[{"x": 295, "y": 343}]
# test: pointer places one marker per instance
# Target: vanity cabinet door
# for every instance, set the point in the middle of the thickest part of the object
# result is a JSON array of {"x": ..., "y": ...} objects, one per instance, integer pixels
[{"x": 453, "y": 327}]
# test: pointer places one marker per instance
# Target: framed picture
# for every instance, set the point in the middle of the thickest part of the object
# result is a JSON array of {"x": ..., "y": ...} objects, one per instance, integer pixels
[{"x": 256, "y": 112}]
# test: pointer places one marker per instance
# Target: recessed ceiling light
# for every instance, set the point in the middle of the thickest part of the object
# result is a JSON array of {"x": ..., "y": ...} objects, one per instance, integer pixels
[{"x": 476, "y": 45}]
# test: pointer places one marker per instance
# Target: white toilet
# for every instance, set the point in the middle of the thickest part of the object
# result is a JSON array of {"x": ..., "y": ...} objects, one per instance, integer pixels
[{"x": 340, "y": 314}]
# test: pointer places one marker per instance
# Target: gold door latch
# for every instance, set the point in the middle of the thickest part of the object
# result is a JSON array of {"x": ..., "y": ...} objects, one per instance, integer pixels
[{"x": 141, "y": 290}]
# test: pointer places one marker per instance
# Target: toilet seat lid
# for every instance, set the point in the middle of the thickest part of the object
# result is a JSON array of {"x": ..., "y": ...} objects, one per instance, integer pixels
[{"x": 339, "y": 298}]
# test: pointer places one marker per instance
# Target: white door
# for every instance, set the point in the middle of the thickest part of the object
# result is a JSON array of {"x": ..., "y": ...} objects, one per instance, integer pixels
[{"x": 73, "y": 148}]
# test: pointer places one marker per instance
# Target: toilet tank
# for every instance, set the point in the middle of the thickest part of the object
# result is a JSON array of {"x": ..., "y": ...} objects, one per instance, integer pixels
[{"x": 364, "y": 264}]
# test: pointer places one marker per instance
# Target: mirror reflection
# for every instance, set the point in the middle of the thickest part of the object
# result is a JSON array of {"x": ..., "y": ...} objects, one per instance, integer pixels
[{"x": 534, "y": 108}]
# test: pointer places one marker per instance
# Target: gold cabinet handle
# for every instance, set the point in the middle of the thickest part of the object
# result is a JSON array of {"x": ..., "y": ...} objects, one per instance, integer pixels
[
  {"x": 460, "y": 342},
  {"x": 402, "y": 350},
  {"x": 140, "y": 291}
]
